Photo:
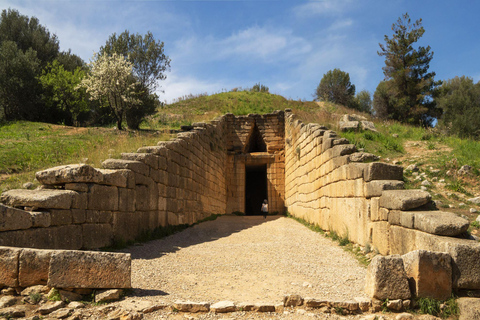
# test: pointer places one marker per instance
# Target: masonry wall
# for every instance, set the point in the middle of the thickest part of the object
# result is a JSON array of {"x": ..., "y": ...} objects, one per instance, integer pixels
[
  {"x": 176, "y": 182},
  {"x": 330, "y": 184}
]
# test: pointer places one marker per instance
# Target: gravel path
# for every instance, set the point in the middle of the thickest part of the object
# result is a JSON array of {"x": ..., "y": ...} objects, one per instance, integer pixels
[{"x": 244, "y": 259}]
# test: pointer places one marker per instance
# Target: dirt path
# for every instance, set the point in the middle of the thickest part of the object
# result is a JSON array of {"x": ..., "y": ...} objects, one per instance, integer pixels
[{"x": 245, "y": 259}]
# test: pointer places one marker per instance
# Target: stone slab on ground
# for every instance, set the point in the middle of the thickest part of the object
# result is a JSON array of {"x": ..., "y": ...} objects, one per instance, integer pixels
[{"x": 88, "y": 269}]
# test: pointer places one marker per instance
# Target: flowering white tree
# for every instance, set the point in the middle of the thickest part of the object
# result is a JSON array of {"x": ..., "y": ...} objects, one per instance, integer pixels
[{"x": 111, "y": 79}]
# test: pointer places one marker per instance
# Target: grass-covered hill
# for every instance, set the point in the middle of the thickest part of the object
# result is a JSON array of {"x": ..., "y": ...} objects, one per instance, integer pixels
[{"x": 433, "y": 156}]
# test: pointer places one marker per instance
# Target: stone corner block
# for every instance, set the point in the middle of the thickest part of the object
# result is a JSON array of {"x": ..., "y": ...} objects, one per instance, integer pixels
[
  {"x": 429, "y": 274},
  {"x": 89, "y": 269},
  {"x": 74, "y": 173},
  {"x": 404, "y": 199},
  {"x": 9, "y": 258},
  {"x": 386, "y": 278},
  {"x": 382, "y": 171}
]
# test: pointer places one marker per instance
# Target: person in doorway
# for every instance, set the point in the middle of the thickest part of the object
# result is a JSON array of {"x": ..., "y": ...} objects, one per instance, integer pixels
[{"x": 265, "y": 208}]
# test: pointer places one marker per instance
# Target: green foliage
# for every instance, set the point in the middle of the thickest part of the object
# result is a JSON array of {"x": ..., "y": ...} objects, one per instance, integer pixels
[
  {"x": 35, "y": 297},
  {"x": 259, "y": 88},
  {"x": 475, "y": 224},
  {"x": 459, "y": 98},
  {"x": 406, "y": 95},
  {"x": 65, "y": 103},
  {"x": 377, "y": 143},
  {"x": 362, "y": 102},
  {"x": 336, "y": 87},
  {"x": 434, "y": 307},
  {"x": 54, "y": 295}
]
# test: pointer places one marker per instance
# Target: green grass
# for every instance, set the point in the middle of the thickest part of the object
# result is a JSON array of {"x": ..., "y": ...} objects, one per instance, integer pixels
[
  {"x": 377, "y": 143},
  {"x": 433, "y": 307},
  {"x": 28, "y": 147}
]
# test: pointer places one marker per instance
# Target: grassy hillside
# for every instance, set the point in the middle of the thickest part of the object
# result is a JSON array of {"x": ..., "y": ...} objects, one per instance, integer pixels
[{"x": 28, "y": 147}]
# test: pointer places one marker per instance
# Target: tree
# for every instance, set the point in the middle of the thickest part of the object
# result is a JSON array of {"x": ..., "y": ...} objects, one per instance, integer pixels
[
  {"x": 18, "y": 85},
  {"x": 406, "y": 73},
  {"x": 363, "y": 101},
  {"x": 145, "y": 53},
  {"x": 383, "y": 102},
  {"x": 459, "y": 98},
  {"x": 336, "y": 87},
  {"x": 111, "y": 79},
  {"x": 63, "y": 101}
]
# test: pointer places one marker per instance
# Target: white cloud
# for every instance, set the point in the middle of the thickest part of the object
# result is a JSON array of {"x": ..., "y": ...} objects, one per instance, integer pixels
[
  {"x": 341, "y": 24},
  {"x": 321, "y": 7}
]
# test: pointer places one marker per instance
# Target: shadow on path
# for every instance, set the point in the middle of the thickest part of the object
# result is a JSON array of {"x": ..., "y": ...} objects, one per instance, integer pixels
[{"x": 223, "y": 226}]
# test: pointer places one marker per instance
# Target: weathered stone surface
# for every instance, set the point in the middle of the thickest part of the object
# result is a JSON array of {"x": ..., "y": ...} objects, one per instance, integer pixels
[
  {"x": 79, "y": 187},
  {"x": 34, "y": 290},
  {"x": 60, "y": 217},
  {"x": 136, "y": 166},
  {"x": 362, "y": 157},
  {"x": 404, "y": 199},
  {"x": 382, "y": 171},
  {"x": 223, "y": 307},
  {"x": 405, "y": 316},
  {"x": 440, "y": 223},
  {"x": 108, "y": 295},
  {"x": 189, "y": 306},
  {"x": 469, "y": 308},
  {"x": 96, "y": 235},
  {"x": 9, "y": 266},
  {"x": 349, "y": 125},
  {"x": 363, "y": 303},
  {"x": 14, "y": 219},
  {"x": 148, "y": 158},
  {"x": 76, "y": 305},
  {"x": 368, "y": 125},
  {"x": 103, "y": 198},
  {"x": 83, "y": 269},
  {"x": 315, "y": 303},
  {"x": 45, "y": 198},
  {"x": 376, "y": 187},
  {"x": 7, "y": 301},
  {"x": 50, "y": 306},
  {"x": 429, "y": 274},
  {"x": 70, "y": 174},
  {"x": 41, "y": 219},
  {"x": 33, "y": 267},
  {"x": 13, "y": 312},
  {"x": 346, "y": 305},
  {"x": 68, "y": 296},
  {"x": 465, "y": 255},
  {"x": 293, "y": 300},
  {"x": 115, "y": 178},
  {"x": 395, "y": 305},
  {"x": 261, "y": 307},
  {"x": 386, "y": 278},
  {"x": 61, "y": 313}
]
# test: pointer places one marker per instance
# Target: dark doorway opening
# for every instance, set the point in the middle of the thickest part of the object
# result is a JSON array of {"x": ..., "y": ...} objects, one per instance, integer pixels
[
  {"x": 255, "y": 142},
  {"x": 255, "y": 188}
]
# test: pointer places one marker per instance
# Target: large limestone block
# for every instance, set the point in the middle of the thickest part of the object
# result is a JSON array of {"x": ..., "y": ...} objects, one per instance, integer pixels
[
  {"x": 70, "y": 174},
  {"x": 9, "y": 266},
  {"x": 116, "y": 178},
  {"x": 45, "y": 198},
  {"x": 376, "y": 187},
  {"x": 149, "y": 159},
  {"x": 33, "y": 267},
  {"x": 135, "y": 166},
  {"x": 14, "y": 219},
  {"x": 386, "y": 278},
  {"x": 87, "y": 269},
  {"x": 380, "y": 236},
  {"x": 404, "y": 199},
  {"x": 382, "y": 171},
  {"x": 97, "y": 235},
  {"x": 466, "y": 266},
  {"x": 103, "y": 198},
  {"x": 429, "y": 274},
  {"x": 440, "y": 223},
  {"x": 362, "y": 157},
  {"x": 469, "y": 308},
  {"x": 349, "y": 125}
]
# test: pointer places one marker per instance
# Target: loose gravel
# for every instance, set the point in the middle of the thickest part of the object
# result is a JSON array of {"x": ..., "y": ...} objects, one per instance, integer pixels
[{"x": 244, "y": 259}]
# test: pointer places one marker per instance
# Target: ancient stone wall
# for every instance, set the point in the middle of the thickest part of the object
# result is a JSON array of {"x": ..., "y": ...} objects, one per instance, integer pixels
[
  {"x": 80, "y": 207},
  {"x": 330, "y": 184}
]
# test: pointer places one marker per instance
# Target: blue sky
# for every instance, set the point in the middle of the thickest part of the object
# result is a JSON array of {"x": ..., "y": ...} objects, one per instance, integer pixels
[{"x": 286, "y": 45}]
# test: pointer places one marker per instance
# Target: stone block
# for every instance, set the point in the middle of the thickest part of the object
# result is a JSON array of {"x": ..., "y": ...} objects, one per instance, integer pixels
[
  {"x": 469, "y": 308},
  {"x": 404, "y": 199},
  {"x": 69, "y": 174},
  {"x": 95, "y": 216},
  {"x": 465, "y": 255},
  {"x": 429, "y": 274},
  {"x": 40, "y": 219},
  {"x": 80, "y": 201},
  {"x": 382, "y": 171},
  {"x": 189, "y": 306},
  {"x": 63, "y": 237},
  {"x": 78, "y": 216},
  {"x": 103, "y": 198},
  {"x": 87, "y": 269},
  {"x": 362, "y": 157},
  {"x": 401, "y": 218},
  {"x": 149, "y": 159},
  {"x": 125, "y": 226},
  {"x": 44, "y": 198},
  {"x": 293, "y": 300},
  {"x": 223, "y": 307},
  {"x": 79, "y": 187},
  {"x": 386, "y": 278},
  {"x": 14, "y": 219},
  {"x": 380, "y": 236},
  {"x": 135, "y": 166},
  {"x": 376, "y": 187},
  {"x": 126, "y": 199},
  {"x": 97, "y": 235},
  {"x": 115, "y": 178},
  {"x": 9, "y": 266},
  {"x": 33, "y": 267},
  {"x": 440, "y": 223},
  {"x": 60, "y": 217}
]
